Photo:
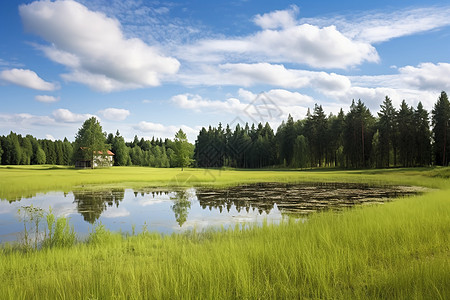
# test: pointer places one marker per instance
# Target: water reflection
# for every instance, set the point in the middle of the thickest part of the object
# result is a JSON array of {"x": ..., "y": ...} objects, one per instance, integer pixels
[
  {"x": 91, "y": 204},
  {"x": 297, "y": 198},
  {"x": 181, "y": 206},
  {"x": 175, "y": 210}
]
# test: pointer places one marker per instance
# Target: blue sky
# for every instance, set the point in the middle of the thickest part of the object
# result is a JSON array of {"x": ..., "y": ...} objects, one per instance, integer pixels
[{"x": 148, "y": 68}]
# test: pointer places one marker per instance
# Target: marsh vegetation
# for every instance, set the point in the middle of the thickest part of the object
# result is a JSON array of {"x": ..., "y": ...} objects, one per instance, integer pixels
[{"x": 396, "y": 250}]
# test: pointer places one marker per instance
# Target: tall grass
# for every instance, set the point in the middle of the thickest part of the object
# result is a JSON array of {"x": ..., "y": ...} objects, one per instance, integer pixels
[{"x": 399, "y": 250}]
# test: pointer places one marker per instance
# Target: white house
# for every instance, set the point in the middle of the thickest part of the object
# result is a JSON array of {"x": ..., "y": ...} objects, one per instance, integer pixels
[{"x": 99, "y": 160}]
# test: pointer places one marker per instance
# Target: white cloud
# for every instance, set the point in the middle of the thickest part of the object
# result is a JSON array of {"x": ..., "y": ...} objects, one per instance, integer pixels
[
  {"x": 165, "y": 131},
  {"x": 66, "y": 116},
  {"x": 374, "y": 96},
  {"x": 24, "y": 120},
  {"x": 381, "y": 27},
  {"x": 198, "y": 104},
  {"x": 427, "y": 76},
  {"x": 318, "y": 47},
  {"x": 152, "y": 201},
  {"x": 50, "y": 137},
  {"x": 58, "y": 125},
  {"x": 247, "y": 75},
  {"x": 332, "y": 42},
  {"x": 94, "y": 48},
  {"x": 27, "y": 78},
  {"x": 116, "y": 212},
  {"x": 46, "y": 98},
  {"x": 277, "y": 18},
  {"x": 115, "y": 114},
  {"x": 271, "y": 106},
  {"x": 278, "y": 96},
  {"x": 251, "y": 74}
]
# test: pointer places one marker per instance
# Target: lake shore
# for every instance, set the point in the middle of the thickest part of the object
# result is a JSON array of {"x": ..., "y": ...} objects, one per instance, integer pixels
[{"x": 398, "y": 250}]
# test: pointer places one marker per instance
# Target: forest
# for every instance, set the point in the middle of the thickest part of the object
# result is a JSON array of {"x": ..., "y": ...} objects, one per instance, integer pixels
[
  {"x": 406, "y": 136},
  {"x": 395, "y": 137}
]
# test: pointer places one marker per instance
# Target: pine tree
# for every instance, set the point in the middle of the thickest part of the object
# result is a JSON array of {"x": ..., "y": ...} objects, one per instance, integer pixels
[
  {"x": 386, "y": 127},
  {"x": 319, "y": 135},
  {"x": 358, "y": 133},
  {"x": 67, "y": 152},
  {"x": 441, "y": 130},
  {"x": 120, "y": 150},
  {"x": 422, "y": 147},
  {"x": 405, "y": 119}
]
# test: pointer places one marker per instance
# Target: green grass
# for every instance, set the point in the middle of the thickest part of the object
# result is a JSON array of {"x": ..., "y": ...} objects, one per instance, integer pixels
[
  {"x": 26, "y": 181},
  {"x": 399, "y": 250}
]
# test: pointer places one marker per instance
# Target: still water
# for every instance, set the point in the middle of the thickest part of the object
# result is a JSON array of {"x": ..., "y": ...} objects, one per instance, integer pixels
[{"x": 176, "y": 210}]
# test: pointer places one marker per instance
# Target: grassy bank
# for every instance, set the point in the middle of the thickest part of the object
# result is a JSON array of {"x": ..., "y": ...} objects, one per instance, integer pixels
[
  {"x": 25, "y": 181},
  {"x": 399, "y": 250}
]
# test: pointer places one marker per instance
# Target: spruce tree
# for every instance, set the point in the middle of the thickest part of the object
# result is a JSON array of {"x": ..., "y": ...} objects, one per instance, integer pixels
[{"x": 441, "y": 130}]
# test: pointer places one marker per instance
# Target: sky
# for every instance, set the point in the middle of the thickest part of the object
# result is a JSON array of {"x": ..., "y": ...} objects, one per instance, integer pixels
[{"x": 149, "y": 68}]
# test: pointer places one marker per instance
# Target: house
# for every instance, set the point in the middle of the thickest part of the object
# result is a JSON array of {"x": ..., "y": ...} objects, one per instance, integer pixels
[{"x": 99, "y": 160}]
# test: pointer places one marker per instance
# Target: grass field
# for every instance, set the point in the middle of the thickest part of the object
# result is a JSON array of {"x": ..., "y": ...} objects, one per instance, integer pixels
[
  {"x": 399, "y": 250},
  {"x": 18, "y": 181}
]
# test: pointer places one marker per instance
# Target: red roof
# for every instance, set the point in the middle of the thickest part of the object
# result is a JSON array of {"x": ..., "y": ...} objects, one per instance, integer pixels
[
  {"x": 99, "y": 152},
  {"x": 108, "y": 153}
]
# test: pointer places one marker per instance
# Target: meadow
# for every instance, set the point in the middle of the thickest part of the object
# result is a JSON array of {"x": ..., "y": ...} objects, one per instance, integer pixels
[
  {"x": 398, "y": 250},
  {"x": 26, "y": 181}
]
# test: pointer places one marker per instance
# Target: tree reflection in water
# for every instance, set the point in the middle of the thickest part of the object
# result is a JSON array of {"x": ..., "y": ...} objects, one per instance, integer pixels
[
  {"x": 301, "y": 198},
  {"x": 262, "y": 198},
  {"x": 91, "y": 204},
  {"x": 181, "y": 205}
]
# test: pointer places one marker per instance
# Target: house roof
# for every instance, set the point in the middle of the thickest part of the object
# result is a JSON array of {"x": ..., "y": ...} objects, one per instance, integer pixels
[
  {"x": 108, "y": 153},
  {"x": 99, "y": 152}
]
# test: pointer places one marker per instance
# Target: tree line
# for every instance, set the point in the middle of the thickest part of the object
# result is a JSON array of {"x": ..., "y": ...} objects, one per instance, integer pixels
[
  {"x": 357, "y": 139},
  {"x": 394, "y": 137},
  {"x": 152, "y": 153},
  {"x": 18, "y": 150}
]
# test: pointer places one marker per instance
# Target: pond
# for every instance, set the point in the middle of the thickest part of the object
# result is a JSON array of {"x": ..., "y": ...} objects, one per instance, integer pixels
[{"x": 176, "y": 210}]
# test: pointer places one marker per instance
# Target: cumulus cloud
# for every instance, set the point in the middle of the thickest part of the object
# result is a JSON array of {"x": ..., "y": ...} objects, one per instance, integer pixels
[
  {"x": 66, "y": 116},
  {"x": 251, "y": 74},
  {"x": 318, "y": 47},
  {"x": 94, "y": 48},
  {"x": 59, "y": 124},
  {"x": 278, "y": 96},
  {"x": 24, "y": 120},
  {"x": 46, "y": 98},
  {"x": 165, "y": 131},
  {"x": 247, "y": 75},
  {"x": 115, "y": 114},
  {"x": 427, "y": 76},
  {"x": 50, "y": 137},
  {"x": 412, "y": 83},
  {"x": 271, "y": 106},
  {"x": 26, "y": 78},
  {"x": 199, "y": 104},
  {"x": 332, "y": 42},
  {"x": 277, "y": 18},
  {"x": 374, "y": 96}
]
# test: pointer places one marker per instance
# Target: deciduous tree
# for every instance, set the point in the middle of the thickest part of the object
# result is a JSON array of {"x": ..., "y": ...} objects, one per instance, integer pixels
[{"x": 90, "y": 141}]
